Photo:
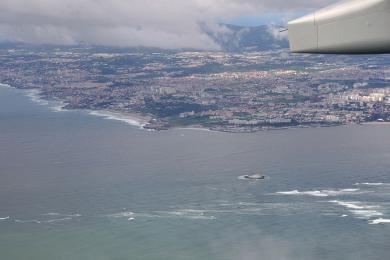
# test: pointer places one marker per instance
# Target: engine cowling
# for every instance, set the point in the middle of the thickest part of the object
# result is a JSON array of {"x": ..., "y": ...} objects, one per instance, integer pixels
[{"x": 352, "y": 26}]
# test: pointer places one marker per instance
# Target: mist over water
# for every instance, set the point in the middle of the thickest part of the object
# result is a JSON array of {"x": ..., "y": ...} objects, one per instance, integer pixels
[{"x": 76, "y": 186}]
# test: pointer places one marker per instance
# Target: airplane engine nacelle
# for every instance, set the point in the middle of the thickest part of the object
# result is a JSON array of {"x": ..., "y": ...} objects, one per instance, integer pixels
[{"x": 352, "y": 26}]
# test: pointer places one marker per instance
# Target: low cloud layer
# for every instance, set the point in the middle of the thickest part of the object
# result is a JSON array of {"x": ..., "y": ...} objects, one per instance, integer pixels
[{"x": 167, "y": 24}]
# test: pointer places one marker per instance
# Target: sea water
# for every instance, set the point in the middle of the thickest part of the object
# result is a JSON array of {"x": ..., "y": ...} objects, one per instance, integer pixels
[{"x": 77, "y": 186}]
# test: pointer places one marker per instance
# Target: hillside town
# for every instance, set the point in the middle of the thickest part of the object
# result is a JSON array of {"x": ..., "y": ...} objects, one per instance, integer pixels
[{"x": 235, "y": 92}]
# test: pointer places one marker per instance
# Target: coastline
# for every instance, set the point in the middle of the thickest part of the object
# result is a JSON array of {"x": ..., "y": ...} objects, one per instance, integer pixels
[
  {"x": 145, "y": 122},
  {"x": 196, "y": 128},
  {"x": 35, "y": 96},
  {"x": 129, "y": 118}
]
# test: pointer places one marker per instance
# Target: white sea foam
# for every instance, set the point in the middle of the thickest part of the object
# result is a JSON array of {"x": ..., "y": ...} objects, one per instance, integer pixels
[
  {"x": 372, "y": 184},
  {"x": 51, "y": 214},
  {"x": 54, "y": 105},
  {"x": 366, "y": 214},
  {"x": 28, "y": 221},
  {"x": 5, "y": 85},
  {"x": 58, "y": 108},
  {"x": 320, "y": 193},
  {"x": 119, "y": 117},
  {"x": 360, "y": 210},
  {"x": 379, "y": 221},
  {"x": 339, "y": 192},
  {"x": 248, "y": 204},
  {"x": 5, "y": 218},
  {"x": 127, "y": 214},
  {"x": 187, "y": 213},
  {"x": 315, "y": 193},
  {"x": 348, "y": 205},
  {"x": 46, "y": 218},
  {"x": 64, "y": 215},
  {"x": 56, "y": 220}
]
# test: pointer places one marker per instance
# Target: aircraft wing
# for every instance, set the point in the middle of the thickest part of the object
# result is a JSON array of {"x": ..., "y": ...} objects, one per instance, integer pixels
[{"x": 348, "y": 27}]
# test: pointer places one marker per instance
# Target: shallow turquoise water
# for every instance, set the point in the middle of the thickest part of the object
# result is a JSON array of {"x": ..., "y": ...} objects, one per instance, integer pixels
[{"x": 75, "y": 186}]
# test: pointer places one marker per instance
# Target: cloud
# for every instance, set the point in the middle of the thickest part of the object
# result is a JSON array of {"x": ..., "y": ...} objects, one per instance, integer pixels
[
  {"x": 275, "y": 31},
  {"x": 130, "y": 23}
]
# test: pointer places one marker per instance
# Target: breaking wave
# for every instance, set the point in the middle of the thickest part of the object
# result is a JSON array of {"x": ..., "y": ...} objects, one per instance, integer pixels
[
  {"x": 320, "y": 193},
  {"x": 187, "y": 213},
  {"x": 359, "y": 209},
  {"x": 184, "y": 213},
  {"x": 54, "y": 105},
  {"x": 379, "y": 221},
  {"x": 45, "y": 218},
  {"x": 63, "y": 215},
  {"x": 56, "y": 220},
  {"x": 372, "y": 184},
  {"x": 127, "y": 214},
  {"x": 119, "y": 117},
  {"x": 28, "y": 221}
]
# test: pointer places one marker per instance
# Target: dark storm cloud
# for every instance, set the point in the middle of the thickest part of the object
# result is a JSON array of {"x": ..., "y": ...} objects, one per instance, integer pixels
[{"x": 148, "y": 23}]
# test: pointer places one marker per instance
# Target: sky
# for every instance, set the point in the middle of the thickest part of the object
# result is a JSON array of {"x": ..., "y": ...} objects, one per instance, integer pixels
[{"x": 169, "y": 24}]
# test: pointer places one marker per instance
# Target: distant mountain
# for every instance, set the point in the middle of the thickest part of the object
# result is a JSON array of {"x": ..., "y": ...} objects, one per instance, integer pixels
[{"x": 234, "y": 38}]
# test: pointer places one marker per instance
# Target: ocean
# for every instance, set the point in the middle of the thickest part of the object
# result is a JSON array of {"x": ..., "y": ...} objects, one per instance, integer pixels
[{"x": 74, "y": 185}]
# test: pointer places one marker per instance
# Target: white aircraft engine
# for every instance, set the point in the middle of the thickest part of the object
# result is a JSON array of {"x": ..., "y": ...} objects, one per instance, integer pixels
[{"x": 352, "y": 26}]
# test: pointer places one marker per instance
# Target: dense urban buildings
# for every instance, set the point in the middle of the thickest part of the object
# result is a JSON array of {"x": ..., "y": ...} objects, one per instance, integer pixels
[{"x": 236, "y": 92}]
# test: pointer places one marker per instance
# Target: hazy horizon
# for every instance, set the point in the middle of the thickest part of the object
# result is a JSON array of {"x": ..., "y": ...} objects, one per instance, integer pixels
[{"x": 167, "y": 24}]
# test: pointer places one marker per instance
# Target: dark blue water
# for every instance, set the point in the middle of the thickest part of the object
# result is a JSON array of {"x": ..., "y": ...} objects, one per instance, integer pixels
[{"x": 75, "y": 186}]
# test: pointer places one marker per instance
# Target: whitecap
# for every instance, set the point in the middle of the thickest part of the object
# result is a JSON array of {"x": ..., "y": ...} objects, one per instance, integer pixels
[
  {"x": 372, "y": 184},
  {"x": 59, "y": 214},
  {"x": 187, "y": 213},
  {"x": 47, "y": 219},
  {"x": 379, "y": 221},
  {"x": 5, "y": 218},
  {"x": 348, "y": 205},
  {"x": 126, "y": 214},
  {"x": 57, "y": 220},
  {"x": 297, "y": 192},
  {"x": 248, "y": 204},
  {"x": 51, "y": 214},
  {"x": 366, "y": 214},
  {"x": 320, "y": 193},
  {"x": 28, "y": 221},
  {"x": 339, "y": 192},
  {"x": 183, "y": 213},
  {"x": 359, "y": 209}
]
